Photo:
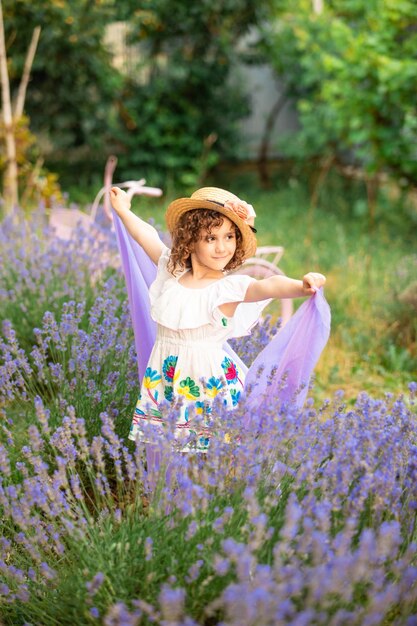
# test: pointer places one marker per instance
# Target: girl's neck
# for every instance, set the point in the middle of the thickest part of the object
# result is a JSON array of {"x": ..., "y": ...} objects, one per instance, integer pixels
[{"x": 200, "y": 278}]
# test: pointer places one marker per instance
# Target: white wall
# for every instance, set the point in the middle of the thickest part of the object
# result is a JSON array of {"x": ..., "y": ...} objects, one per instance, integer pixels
[{"x": 264, "y": 89}]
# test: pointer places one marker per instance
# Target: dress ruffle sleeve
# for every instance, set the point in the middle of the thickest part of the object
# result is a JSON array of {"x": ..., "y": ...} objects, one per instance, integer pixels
[
  {"x": 162, "y": 275},
  {"x": 233, "y": 289}
]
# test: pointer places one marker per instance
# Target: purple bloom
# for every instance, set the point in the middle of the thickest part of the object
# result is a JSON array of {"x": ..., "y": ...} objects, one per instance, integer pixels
[
  {"x": 148, "y": 548},
  {"x": 94, "y": 585},
  {"x": 324, "y": 498},
  {"x": 171, "y": 602}
]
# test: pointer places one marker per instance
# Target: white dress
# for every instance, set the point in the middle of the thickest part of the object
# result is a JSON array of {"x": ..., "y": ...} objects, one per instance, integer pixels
[{"x": 188, "y": 366}]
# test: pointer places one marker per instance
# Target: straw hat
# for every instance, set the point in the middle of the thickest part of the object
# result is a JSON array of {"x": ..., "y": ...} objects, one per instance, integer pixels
[{"x": 238, "y": 211}]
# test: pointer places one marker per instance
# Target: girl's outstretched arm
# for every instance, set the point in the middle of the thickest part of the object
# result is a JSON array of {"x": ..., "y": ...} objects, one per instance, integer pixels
[
  {"x": 284, "y": 287},
  {"x": 277, "y": 287},
  {"x": 142, "y": 232}
]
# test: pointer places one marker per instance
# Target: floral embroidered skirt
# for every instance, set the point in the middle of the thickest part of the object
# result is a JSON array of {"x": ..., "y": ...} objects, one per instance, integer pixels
[{"x": 188, "y": 372}]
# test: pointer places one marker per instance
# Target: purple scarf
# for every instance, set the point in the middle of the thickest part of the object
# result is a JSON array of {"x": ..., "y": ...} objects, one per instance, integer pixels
[{"x": 292, "y": 353}]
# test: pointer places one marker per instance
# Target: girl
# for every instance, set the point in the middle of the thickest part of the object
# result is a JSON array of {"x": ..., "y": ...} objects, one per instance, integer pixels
[{"x": 198, "y": 303}]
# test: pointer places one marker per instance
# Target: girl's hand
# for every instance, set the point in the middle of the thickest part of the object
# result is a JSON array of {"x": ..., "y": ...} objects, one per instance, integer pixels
[
  {"x": 119, "y": 199},
  {"x": 312, "y": 283}
]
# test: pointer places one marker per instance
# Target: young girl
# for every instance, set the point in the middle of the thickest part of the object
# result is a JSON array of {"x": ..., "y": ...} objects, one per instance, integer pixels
[{"x": 198, "y": 303}]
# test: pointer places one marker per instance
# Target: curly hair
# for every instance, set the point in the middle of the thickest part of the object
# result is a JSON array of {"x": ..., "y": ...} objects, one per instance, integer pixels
[{"x": 189, "y": 228}]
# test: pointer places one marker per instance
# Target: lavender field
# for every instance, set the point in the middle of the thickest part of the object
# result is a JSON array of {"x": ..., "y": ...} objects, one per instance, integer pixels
[{"x": 304, "y": 517}]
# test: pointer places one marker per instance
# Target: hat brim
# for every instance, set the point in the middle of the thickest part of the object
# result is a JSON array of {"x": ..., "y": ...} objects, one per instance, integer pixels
[{"x": 178, "y": 207}]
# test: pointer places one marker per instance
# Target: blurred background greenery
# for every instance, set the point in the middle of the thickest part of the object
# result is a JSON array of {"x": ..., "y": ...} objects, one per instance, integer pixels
[
  {"x": 158, "y": 83},
  {"x": 168, "y": 97}
]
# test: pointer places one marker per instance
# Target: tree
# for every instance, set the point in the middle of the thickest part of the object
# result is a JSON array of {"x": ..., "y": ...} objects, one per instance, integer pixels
[
  {"x": 10, "y": 178},
  {"x": 12, "y": 118},
  {"x": 73, "y": 85},
  {"x": 180, "y": 110},
  {"x": 352, "y": 70},
  {"x": 172, "y": 117}
]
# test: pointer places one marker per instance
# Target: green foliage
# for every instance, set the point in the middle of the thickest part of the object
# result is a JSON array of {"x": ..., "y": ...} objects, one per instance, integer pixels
[
  {"x": 352, "y": 72},
  {"x": 181, "y": 108},
  {"x": 71, "y": 92},
  {"x": 36, "y": 183},
  {"x": 170, "y": 119}
]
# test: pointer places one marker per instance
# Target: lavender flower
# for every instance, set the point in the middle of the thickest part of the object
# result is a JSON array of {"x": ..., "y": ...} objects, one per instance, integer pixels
[{"x": 289, "y": 516}]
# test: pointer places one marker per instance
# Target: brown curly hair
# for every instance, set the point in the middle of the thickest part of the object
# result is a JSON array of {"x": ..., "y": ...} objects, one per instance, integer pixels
[{"x": 189, "y": 228}]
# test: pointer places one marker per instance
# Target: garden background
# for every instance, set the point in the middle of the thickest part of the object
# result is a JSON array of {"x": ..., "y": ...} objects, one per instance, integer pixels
[{"x": 327, "y": 493}]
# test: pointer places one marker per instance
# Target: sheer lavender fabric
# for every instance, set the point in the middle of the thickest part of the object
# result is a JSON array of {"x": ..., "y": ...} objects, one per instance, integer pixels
[
  {"x": 291, "y": 356},
  {"x": 139, "y": 272},
  {"x": 292, "y": 353}
]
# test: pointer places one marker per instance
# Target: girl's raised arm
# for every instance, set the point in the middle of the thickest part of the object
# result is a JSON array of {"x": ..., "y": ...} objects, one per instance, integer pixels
[{"x": 142, "y": 232}]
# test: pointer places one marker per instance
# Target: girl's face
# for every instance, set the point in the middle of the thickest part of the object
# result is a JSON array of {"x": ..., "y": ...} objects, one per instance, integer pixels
[{"x": 215, "y": 249}]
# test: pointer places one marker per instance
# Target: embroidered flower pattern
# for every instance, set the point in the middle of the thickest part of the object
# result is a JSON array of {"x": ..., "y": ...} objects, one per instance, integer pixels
[
  {"x": 235, "y": 395},
  {"x": 189, "y": 389},
  {"x": 230, "y": 371},
  {"x": 169, "y": 393},
  {"x": 203, "y": 408},
  {"x": 213, "y": 386},
  {"x": 168, "y": 368},
  {"x": 150, "y": 381},
  {"x": 151, "y": 378},
  {"x": 204, "y": 441},
  {"x": 166, "y": 384}
]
